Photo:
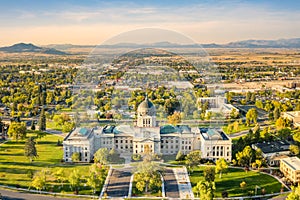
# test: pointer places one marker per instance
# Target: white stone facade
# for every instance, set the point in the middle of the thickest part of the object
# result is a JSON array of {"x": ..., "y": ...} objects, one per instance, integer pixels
[{"x": 146, "y": 136}]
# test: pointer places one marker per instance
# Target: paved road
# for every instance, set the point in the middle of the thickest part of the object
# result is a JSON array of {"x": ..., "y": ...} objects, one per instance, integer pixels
[
  {"x": 15, "y": 195},
  {"x": 118, "y": 185},
  {"x": 171, "y": 186}
]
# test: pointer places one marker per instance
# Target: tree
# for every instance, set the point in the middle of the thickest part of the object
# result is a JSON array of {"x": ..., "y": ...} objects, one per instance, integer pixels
[
  {"x": 206, "y": 190},
  {"x": 276, "y": 113},
  {"x": 221, "y": 166},
  {"x": 224, "y": 194},
  {"x": 251, "y": 116},
  {"x": 42, "y": 121},
  {"x": 101, "y": 156},
  {"x": 67, "y": 127},
  {"x": 92, "y": 181},
  {"x": 74, "y": 180},
  {"x": 96, "y": 176},
  {"x": 294, "y": 149},
  {"x": 148, "y": 177},
  {"x": 280, "y": 123},
  {"x": 248, "y": 96},
  {"x": 175, "y": 118},
  {"x": 193, "y": 158},
  {"x": 32, "y": 126},
  {"x": 258, "y": 163},
  {"x": 17, "y": 130},
  {"x": 209, "y": 174},
  {"x": 234, "y": 114},
  {"x": 179, "y": 156},
  {"x": 136, "y": 157},
  {"x": 245, "y": 157},
  {"x": 60, "y": 176},
  {"x": 39, "y": 180},
  {"x": 76, "y": 157},
  {"x": 113, "y": 156},
  {"x": 295, "y": 194},
  {"x": 243, "y": 184},
  {"x": 29, "y": 149}
]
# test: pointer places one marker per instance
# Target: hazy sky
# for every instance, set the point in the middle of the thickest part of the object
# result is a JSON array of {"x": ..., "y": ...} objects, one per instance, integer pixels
[{"x": 92, "y": 22}]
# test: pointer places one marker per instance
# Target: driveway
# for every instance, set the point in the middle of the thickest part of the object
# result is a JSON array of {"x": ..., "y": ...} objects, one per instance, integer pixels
[{"x": 171, "y": 186}]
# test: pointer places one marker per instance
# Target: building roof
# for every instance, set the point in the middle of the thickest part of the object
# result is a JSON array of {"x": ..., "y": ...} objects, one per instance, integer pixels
[
  {"x": 146, "y": 104},
  {"x": 293, "y": 162},
  {"x": 213, "y": 134},
  {"x": 79, "y": 133},
  {"x": 293, "y": 114},
  {"x": 166, "y": 129},
  {"x": 273, "y": 147}
]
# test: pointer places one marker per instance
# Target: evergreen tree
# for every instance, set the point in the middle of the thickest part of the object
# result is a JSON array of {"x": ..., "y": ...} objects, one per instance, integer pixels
[
  {"x": 179, "y": 156},
  {"x": 30, "y": 149},
  {"x": 42, "y": 121},
  {"x": 32, "y": 127}
]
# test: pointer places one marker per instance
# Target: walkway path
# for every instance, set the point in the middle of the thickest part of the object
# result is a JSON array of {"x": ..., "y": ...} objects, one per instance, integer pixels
[
  {"x": 171, "y": 185},
  {"x": 184, "y": 184}
]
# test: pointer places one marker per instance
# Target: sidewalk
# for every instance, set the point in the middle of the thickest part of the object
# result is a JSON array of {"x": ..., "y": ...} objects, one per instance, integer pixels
[{"x": 184, "y": 184}]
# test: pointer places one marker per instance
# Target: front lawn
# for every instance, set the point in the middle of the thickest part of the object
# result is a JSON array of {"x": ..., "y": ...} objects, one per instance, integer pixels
[
  {"x": 16, "y": 170},
  {"x": 231, "y": 180}
]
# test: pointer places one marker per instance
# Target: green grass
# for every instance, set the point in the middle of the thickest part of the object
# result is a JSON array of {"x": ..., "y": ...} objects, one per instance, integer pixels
[
  {"x": 137, "y": 193},
  {"x": 242, "y": 127},
  {"x": 51, "y": 125},
  {"x": 15, "y": 167},
  {"x": 231, "y": 180}
]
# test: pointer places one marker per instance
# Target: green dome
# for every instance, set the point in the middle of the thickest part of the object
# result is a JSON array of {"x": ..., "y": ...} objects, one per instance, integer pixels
[{"x": 169, "y": 129}]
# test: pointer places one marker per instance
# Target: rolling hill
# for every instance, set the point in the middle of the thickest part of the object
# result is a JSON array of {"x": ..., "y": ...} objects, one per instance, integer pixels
[{"x": 30, "y": 48}]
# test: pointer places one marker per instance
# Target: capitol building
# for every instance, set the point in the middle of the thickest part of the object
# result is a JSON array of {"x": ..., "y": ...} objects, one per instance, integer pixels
[{"x": 147, "y": 135}]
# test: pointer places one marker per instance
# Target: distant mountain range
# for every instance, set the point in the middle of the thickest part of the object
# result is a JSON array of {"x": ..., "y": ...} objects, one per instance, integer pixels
[
  {"x": 281, "y": 43},
  {"x": 59, "y": 49},
  {"x": 30, "y": 48}
]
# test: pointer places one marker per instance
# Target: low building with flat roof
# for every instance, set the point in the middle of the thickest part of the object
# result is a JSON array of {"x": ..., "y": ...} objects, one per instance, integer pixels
[
  {"x": 293, "y": 116},
  {"x": 215, "y": 144},
  {"x": 290, "y": 167},
  {"x": 272, "y": 150}
]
